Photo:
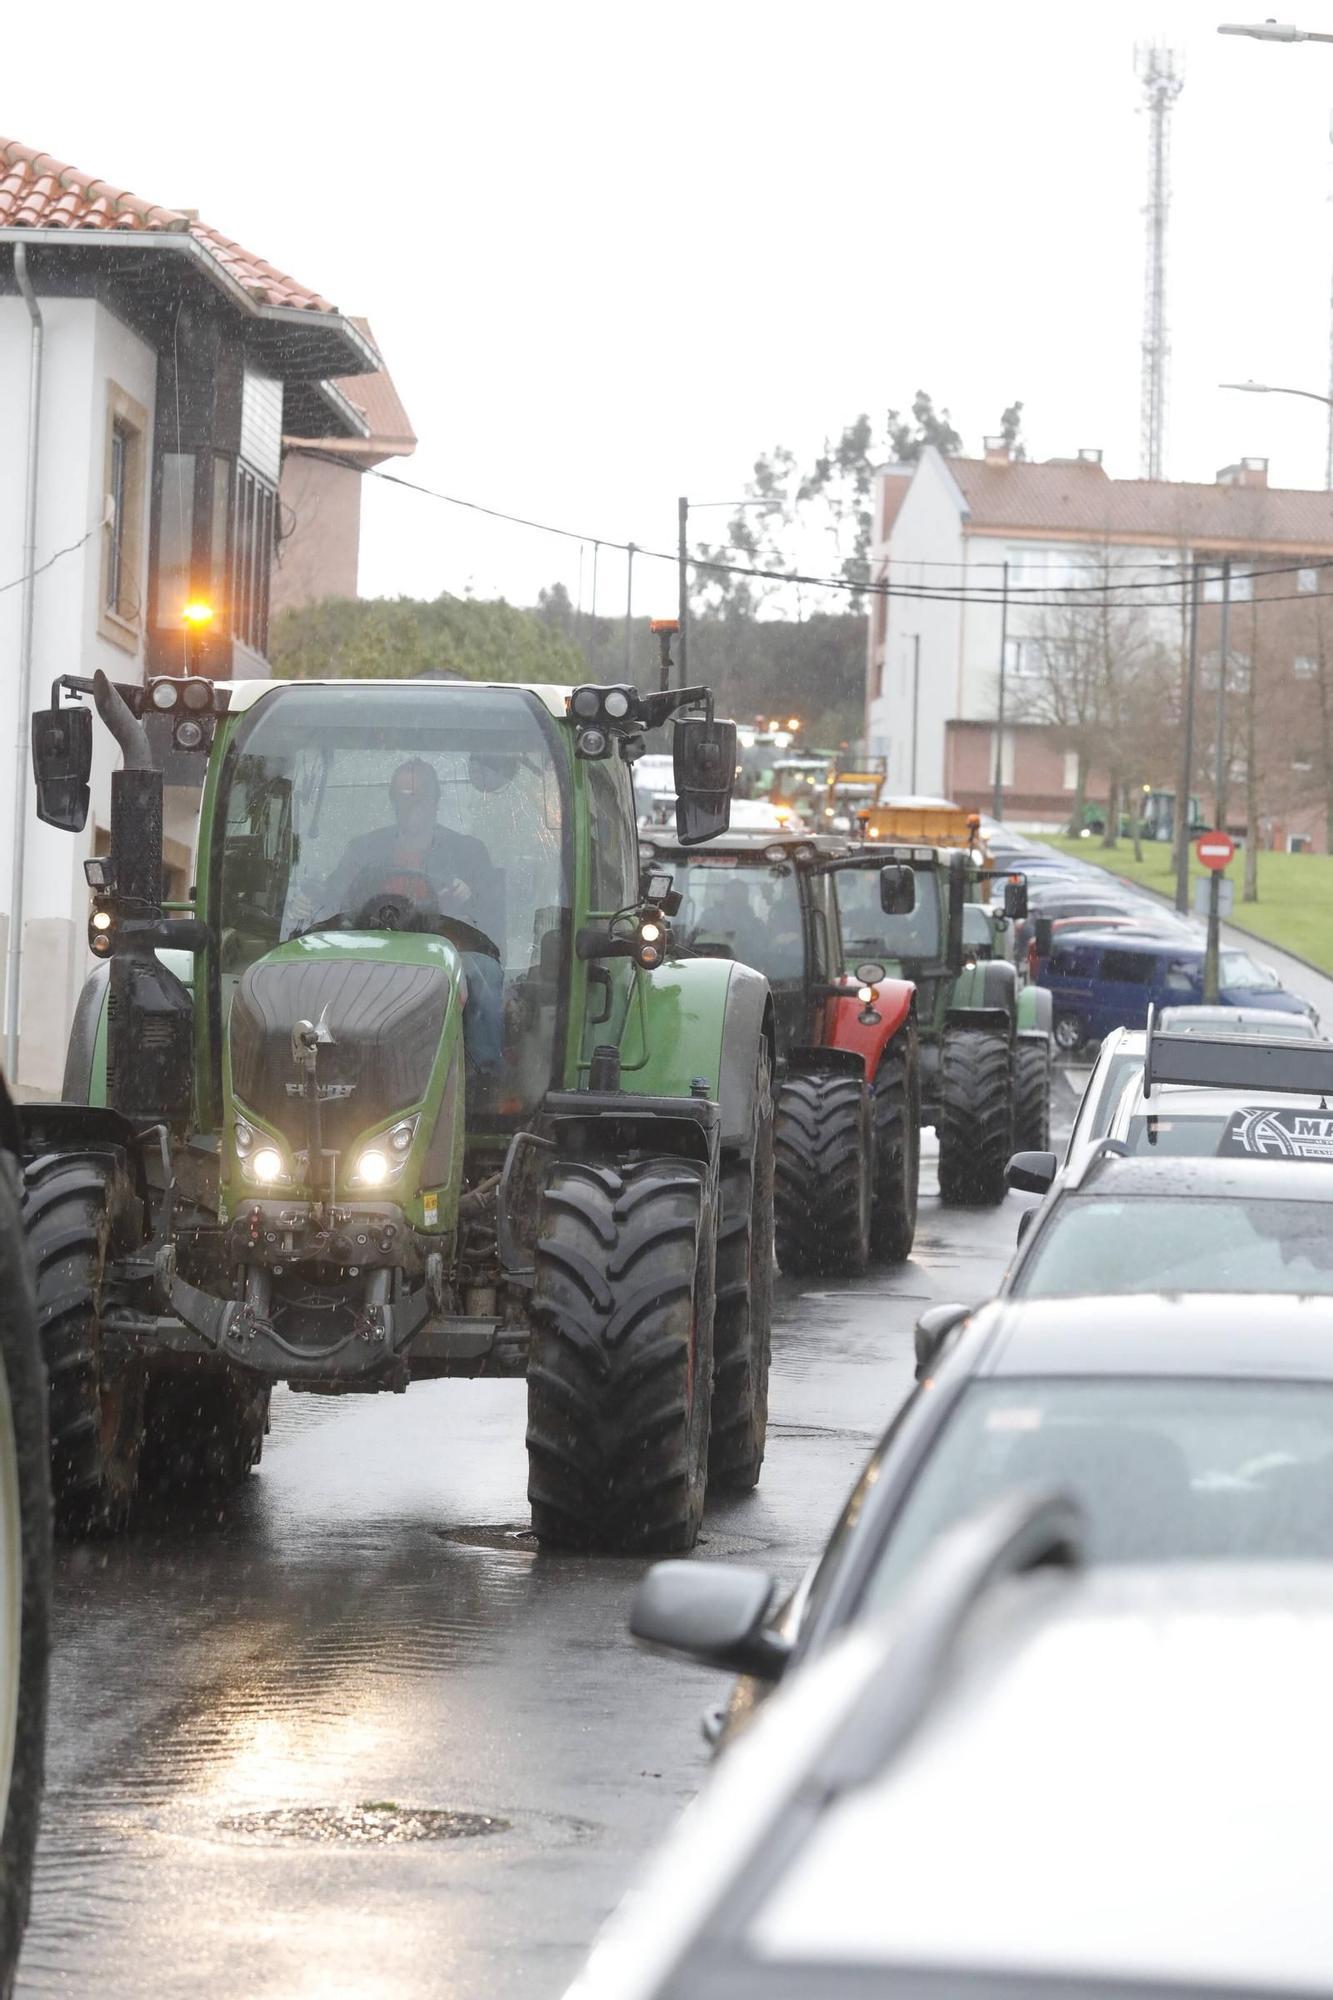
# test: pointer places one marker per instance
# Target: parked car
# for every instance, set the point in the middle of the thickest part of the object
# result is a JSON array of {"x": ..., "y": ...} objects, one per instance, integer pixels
[
  {"x": 1036, "y": 1777},
  {"x": 1181, "y": 1427},
  {"x": 1101, "y": 981},
  {"x": 1119, "y": 1057}
]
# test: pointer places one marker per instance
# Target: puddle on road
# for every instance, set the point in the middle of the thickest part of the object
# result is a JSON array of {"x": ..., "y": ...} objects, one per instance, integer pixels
[{"x": 379, "y": 1822}]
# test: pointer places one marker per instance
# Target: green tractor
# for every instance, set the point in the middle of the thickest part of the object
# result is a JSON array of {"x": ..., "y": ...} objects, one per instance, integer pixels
[
  {"x": 985, "y": 1036},
  {"x": 846, "y": 1120},
  {"x": 404, "y": 1088}
]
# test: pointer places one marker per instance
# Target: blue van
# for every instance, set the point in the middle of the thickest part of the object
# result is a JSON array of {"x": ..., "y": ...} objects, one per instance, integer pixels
[{"x": 1102, "y": 981}]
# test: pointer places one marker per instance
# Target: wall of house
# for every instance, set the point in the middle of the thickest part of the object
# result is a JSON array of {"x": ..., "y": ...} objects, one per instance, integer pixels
[
  {"x": 320, "y": 532},
  {"x": 86, "y": 350},
  {"x": 928, "y": 529}
]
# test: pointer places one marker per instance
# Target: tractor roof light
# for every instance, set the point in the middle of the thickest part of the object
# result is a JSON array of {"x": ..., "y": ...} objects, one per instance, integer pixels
[
  {"x": 164, "y": 695},
  {"x": 585, "y": 702},
  {"x": 197, "y": 694},
  {"x": 775, "y": 853},
  {"x": 189, "y": 734},
  {"x": 101, "y": 920}
]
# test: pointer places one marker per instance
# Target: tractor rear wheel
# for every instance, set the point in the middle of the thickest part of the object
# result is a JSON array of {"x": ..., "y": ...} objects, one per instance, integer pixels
[
  {"x": 742, "y": 1322},
  {"x": 976, "y": 1118},
  {"x": 896, "y": 1109},
  {"x": 1032, "y": 1097},
  {"x": 620, "y": 1384},
  {"x": 80, "y": 1212},
  {"x": 25, "y": 1573},
  {"x": 822, "y": 1150},
  {"x": 203, "y": 1431}
]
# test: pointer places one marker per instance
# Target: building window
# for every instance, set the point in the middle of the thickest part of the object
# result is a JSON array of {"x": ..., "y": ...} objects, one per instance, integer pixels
[
  {"x": 1307, "y": 579},
  {"x": 120, "y": 605},
  {"x": 1071, "y": 771},
  {"x": 1298, "y": 765},
  {"x": 1304, "y": 668},
  {"x": 252, "y": 558}
]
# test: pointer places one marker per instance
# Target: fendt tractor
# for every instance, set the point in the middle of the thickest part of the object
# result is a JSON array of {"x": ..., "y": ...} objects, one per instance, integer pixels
[
  {"x": 985, "y": 1038},
  {"x": 847, "y": 1112},
  {"x": 404, "y": 1088}
]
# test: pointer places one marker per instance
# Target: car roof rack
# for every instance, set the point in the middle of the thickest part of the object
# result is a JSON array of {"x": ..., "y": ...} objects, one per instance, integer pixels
[
  {"x": 1237, "y": 1062},
  {"x": 1020, "y": 1532}
]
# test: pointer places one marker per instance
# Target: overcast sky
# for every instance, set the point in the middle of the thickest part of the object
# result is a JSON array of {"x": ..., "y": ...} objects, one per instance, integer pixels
[{"x": 612, "y": 251}]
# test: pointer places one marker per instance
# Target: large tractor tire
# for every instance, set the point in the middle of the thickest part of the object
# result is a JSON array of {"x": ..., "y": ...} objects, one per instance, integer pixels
[
  {"x": 976, "y": 1117},
  {"x": 742, "y": 1321},
  {"x": 823, "y": 1150},
  {"x": 25, "y": 1572},
  {"x": 1032, "y": 1097},
  {"x": 620, "y": 1384},
  {"x": 204, "y": 1431},
  {"x": 896, "y": 1110},
  {"x": 81, "y": 1211}
]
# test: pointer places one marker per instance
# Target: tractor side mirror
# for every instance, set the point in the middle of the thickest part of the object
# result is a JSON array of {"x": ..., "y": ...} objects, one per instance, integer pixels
[
  {"x": 897, "y": 890},
  {"x": 62, "y": 761},
  {"x": 704, "y": 756},
  {"x": 1015, "y": 899},
  {"x": 1043, "y": 936}
]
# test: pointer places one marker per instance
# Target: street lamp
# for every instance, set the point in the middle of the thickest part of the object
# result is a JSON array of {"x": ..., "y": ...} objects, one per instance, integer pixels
[
  {"x": 683, "y": 509},
  {"x": 1272, "y": 31},
  {"x": 1311, "y": 395}
]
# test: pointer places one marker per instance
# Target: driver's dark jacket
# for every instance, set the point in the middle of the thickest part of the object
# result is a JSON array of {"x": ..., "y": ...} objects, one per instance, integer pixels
[{"x": 452, "y": 856}]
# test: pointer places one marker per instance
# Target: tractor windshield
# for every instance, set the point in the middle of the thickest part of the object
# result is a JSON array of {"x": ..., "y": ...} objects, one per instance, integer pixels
[
  {"x": 437, "y": 808},
  {"x": 869, "y": 934},
  {"x": 746, "y": 913}
]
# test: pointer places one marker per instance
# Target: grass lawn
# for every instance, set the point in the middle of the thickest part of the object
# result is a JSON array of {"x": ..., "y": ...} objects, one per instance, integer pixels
[{"x": 1295, "y": 906}]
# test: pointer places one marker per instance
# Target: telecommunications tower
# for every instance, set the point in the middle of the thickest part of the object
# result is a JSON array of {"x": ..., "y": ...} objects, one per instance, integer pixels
[{"x": 1158, "y": 70}]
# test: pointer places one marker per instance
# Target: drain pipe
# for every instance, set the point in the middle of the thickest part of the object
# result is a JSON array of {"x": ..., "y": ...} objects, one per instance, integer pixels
[{"x": 25, "y": 665}]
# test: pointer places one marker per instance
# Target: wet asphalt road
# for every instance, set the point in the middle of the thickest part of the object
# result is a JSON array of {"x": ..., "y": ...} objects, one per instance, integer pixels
[{"x": 368, "y": 1625}]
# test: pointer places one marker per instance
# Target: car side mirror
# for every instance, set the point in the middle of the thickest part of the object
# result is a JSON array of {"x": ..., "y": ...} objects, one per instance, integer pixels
[
  {"x": 932, "y": 1330},
  {"x": 704, "y": 758},
  {"x": 1032, "y": 1173},
  {"x": 1015, "y": 899},
  {"x": 897, "y": 890},
  {"x": 714, "y": 1613},
  {"x": 1043, "y": 936},
  {"x": 62, "y": 762}
]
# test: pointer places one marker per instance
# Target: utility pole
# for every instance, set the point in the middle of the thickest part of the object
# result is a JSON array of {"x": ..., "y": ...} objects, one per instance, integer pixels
[
  {"x": 592, "y": 615},
  {"x": 916, "y": 697},
  {"x": 1220, "y": 775},
  {"x": 1187, "y": 757},
  {"x": 997, "y": 803},
  {"x": 683, "y": 584},
  {"x": 629, "y": 603}
]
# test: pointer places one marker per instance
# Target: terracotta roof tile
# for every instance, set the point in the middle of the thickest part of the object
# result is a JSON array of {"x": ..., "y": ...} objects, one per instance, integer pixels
[
  {"x": 37, "y": 192},
  {"x": 1064, "y": 497}
]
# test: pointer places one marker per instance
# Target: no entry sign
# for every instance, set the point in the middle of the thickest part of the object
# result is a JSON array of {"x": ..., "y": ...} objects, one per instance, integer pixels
[{"x": 1214, "y": 849}]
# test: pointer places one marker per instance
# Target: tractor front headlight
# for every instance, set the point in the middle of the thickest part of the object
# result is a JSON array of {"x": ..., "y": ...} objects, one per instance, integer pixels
[
  {"x": 244, "y": 1135},
  {"x": 372, "y": 1167},
  {"x": 265, "y": 1166}
]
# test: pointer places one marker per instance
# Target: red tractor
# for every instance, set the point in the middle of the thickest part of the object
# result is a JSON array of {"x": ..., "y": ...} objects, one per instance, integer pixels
[{"x": 847, "y": 1115}]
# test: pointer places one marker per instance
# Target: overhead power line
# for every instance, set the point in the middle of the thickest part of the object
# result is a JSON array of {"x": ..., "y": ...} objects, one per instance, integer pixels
[{"x": 1051, "y": 597}]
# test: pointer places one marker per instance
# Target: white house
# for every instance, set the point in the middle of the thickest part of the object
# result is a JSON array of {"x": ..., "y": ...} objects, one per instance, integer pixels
[
  {"x": 149, "y": 369},
  {"x": 988, "y": 542}
]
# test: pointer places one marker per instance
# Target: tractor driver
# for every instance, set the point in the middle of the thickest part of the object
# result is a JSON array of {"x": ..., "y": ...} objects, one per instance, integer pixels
[{"x": 415, "y": 855}]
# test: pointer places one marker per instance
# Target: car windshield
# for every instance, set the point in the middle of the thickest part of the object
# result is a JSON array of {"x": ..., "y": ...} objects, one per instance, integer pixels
[
  {"x": 1210, "y": 1243},
  {"x": 746, "y": 913},
  {"x": 1238, "y": 969},
  {"x": 868, "y": 933},
  {"x": 1165, "y": 1471},
  {"x": 434, "y": 808}
]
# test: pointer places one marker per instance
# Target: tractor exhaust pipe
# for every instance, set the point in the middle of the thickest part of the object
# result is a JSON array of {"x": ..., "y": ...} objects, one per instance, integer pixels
[{"x": 123, "y": 724}]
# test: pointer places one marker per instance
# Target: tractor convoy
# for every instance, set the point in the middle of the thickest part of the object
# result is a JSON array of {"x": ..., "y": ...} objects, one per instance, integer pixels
[{"x": 437, "y": 1070}]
